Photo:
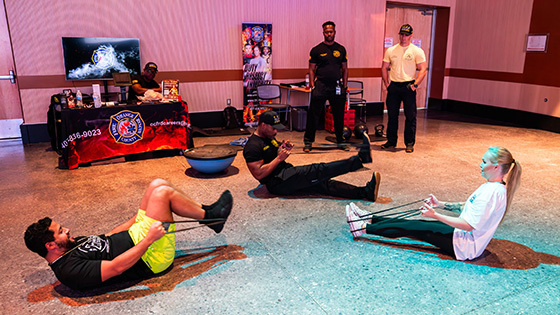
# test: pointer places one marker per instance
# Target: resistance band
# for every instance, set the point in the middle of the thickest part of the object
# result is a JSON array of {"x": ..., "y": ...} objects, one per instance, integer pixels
[
  {"x": 399, "y": 215},
  {"x": 166, "y": 224},
  {"x": 392, "y": 208},
  {"x": 330, "y": 146}
]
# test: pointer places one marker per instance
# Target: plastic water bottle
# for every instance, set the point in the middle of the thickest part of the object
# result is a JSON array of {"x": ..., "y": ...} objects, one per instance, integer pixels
[
  {"x": 338, "y": 90},
  {"x": 307, "y": 81},
  {"x": 79, "y": 100},
  {"x": 96, "y": 100}
]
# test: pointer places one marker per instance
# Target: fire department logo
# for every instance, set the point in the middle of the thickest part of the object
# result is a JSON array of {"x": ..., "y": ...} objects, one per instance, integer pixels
[
  {"x": 336, "y": 53},
  {"x": 127, "y": 127},
  {"x": 257, "y": 33}
]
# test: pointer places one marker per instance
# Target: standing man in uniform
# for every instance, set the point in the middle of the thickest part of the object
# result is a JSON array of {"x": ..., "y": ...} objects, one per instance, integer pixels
[
  {"x": 327, "y": 68},
  {"x": 402, "y": 59},
  {"x": 144, "y": 82}
]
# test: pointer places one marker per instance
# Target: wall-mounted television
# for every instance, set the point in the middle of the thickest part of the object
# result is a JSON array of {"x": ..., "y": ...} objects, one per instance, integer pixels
[{"x": 96, "y": 58}]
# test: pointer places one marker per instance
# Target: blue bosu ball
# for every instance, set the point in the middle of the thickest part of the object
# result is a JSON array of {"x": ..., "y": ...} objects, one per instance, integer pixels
[{"x": 211, "y": 158}]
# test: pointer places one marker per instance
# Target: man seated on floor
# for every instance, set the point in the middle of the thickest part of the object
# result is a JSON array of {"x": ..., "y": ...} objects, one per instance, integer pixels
[
  {"x": 265, "y": 158},
  {"x": 136, "y": 249}
]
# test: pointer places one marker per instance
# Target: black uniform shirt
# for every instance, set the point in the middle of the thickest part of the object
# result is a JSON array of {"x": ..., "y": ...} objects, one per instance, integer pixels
[
  {"x": 81, "y": 268},
  {"x": 139, "y": 79},
  {"x": 265, "y": 149},
  {"x": 329, "y": 59}
]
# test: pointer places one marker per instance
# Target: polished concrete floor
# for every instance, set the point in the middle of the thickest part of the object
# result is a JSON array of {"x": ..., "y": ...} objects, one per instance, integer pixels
[{"x": 295, "y": 255}]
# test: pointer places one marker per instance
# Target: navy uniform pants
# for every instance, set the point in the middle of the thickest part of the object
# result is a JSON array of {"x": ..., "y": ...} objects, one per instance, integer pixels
[
  {"x": 320, "y": 94},
  {"x": 398, "y": 92}
]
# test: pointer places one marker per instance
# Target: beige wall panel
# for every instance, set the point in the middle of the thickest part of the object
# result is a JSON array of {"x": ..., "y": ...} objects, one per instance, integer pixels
[
  {"x": 445, "y": 93},
  {"x": 184, "y": 35},
  {"x": 204, "y": 96},
  {"x": 440, "y": 3},
  {"x": 204, "y": 34},
  {"x": 450, "y": 37},
  {"x": 517, "y": 96},
  {"x": 540, "y": 99},
  {"x": 490, "y": 35},
  {"x": 372, "y": 89},
  {"x": 296, "y": 28},
  {"x": 37, "y": 104}
]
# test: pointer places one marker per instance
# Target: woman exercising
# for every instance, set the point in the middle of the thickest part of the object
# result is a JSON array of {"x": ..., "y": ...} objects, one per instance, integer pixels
[{"x": 464, "y": 237}]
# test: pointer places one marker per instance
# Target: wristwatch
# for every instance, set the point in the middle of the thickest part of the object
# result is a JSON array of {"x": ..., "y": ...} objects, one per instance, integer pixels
[{"x": 415, "y": 85}]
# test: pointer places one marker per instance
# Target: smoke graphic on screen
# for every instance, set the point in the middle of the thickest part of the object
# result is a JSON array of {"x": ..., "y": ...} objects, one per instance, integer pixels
[{"x": 105, "y": 59}]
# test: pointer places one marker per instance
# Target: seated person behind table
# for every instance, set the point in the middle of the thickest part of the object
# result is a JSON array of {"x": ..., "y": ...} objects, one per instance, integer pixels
[
  {"x": 136, "y": 249},
  {"x": 265, "y": 158},
  {"x": 144, "y": 82}
]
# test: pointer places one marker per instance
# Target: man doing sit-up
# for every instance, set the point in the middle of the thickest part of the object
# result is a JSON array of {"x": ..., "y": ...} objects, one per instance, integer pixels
[
  {"x": 137, "y": 249},
  {"x": 266, "y": 160}
]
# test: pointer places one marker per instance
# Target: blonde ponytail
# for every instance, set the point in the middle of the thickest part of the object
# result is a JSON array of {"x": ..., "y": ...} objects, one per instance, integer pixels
[{"x": 510, "y": 168}]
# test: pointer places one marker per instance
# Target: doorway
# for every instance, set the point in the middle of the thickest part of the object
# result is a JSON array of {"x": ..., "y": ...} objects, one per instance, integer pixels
[
  {"x": 11, "y": 116},
  {"x": 421, "y": 20}
]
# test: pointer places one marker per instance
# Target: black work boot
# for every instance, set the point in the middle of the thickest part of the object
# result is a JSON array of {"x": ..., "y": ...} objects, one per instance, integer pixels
[
  {"x": 372, "y": 187},
  {"x": 365, "y": 150}
]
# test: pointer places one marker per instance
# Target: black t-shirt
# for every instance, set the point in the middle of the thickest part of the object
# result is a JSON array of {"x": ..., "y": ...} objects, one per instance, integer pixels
[
  {"x": 139, "y": 79},
  {"x": 265, "y": 149},
  {"x": 81, "y": 268},
  {"x": 329, "y": 59}
]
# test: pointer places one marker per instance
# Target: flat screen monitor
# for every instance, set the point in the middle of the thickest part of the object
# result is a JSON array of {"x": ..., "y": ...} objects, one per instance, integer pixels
[{"x": 96, "y": 58}]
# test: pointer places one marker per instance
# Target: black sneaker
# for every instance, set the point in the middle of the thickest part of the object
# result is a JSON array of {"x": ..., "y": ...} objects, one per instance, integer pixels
[
  {"x": 409, "y": 148},
  {"x": 307, "y": 148},
  {"x": 372, "y": 187},
  {"x": 365, "y": 150},
  {"x": 387, "y": 145},
  {"x": 220, "y": 211}
]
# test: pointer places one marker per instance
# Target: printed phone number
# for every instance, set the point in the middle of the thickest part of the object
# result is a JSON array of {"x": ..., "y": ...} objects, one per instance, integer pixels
[{"x": 81, "y": 135}]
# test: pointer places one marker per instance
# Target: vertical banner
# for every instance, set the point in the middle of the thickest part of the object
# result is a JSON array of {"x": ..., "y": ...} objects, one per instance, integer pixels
[{"x": 257, "y": 67}]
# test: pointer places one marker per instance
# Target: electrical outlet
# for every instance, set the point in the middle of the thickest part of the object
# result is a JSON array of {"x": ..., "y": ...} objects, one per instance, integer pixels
[{"x": 228, "y": 101}]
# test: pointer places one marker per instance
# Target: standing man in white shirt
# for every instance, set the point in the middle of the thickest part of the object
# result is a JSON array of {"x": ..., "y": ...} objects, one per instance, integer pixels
[{"x": 401, "y": 82}]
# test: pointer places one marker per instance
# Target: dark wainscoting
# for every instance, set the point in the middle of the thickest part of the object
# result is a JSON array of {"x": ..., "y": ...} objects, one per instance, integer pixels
[{"x": 497, "y": 114}]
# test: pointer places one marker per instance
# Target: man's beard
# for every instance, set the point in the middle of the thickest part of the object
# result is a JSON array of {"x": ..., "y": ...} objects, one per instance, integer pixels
[{"x": 67, "y": 245}]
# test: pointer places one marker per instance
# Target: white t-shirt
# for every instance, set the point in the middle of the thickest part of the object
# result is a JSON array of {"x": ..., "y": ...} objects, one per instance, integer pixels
[
  {"x": 403, "y": 62},
  {"x": 483, "y": 211}
]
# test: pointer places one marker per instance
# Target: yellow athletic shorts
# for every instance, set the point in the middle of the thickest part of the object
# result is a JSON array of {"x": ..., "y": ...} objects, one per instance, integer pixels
[{"x": 161, "y": 253}]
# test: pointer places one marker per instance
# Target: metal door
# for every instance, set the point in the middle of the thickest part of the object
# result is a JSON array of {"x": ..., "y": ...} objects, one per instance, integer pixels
[
  {"x": 11, "y": 116},
  {"x": 421, "y": 21}
]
